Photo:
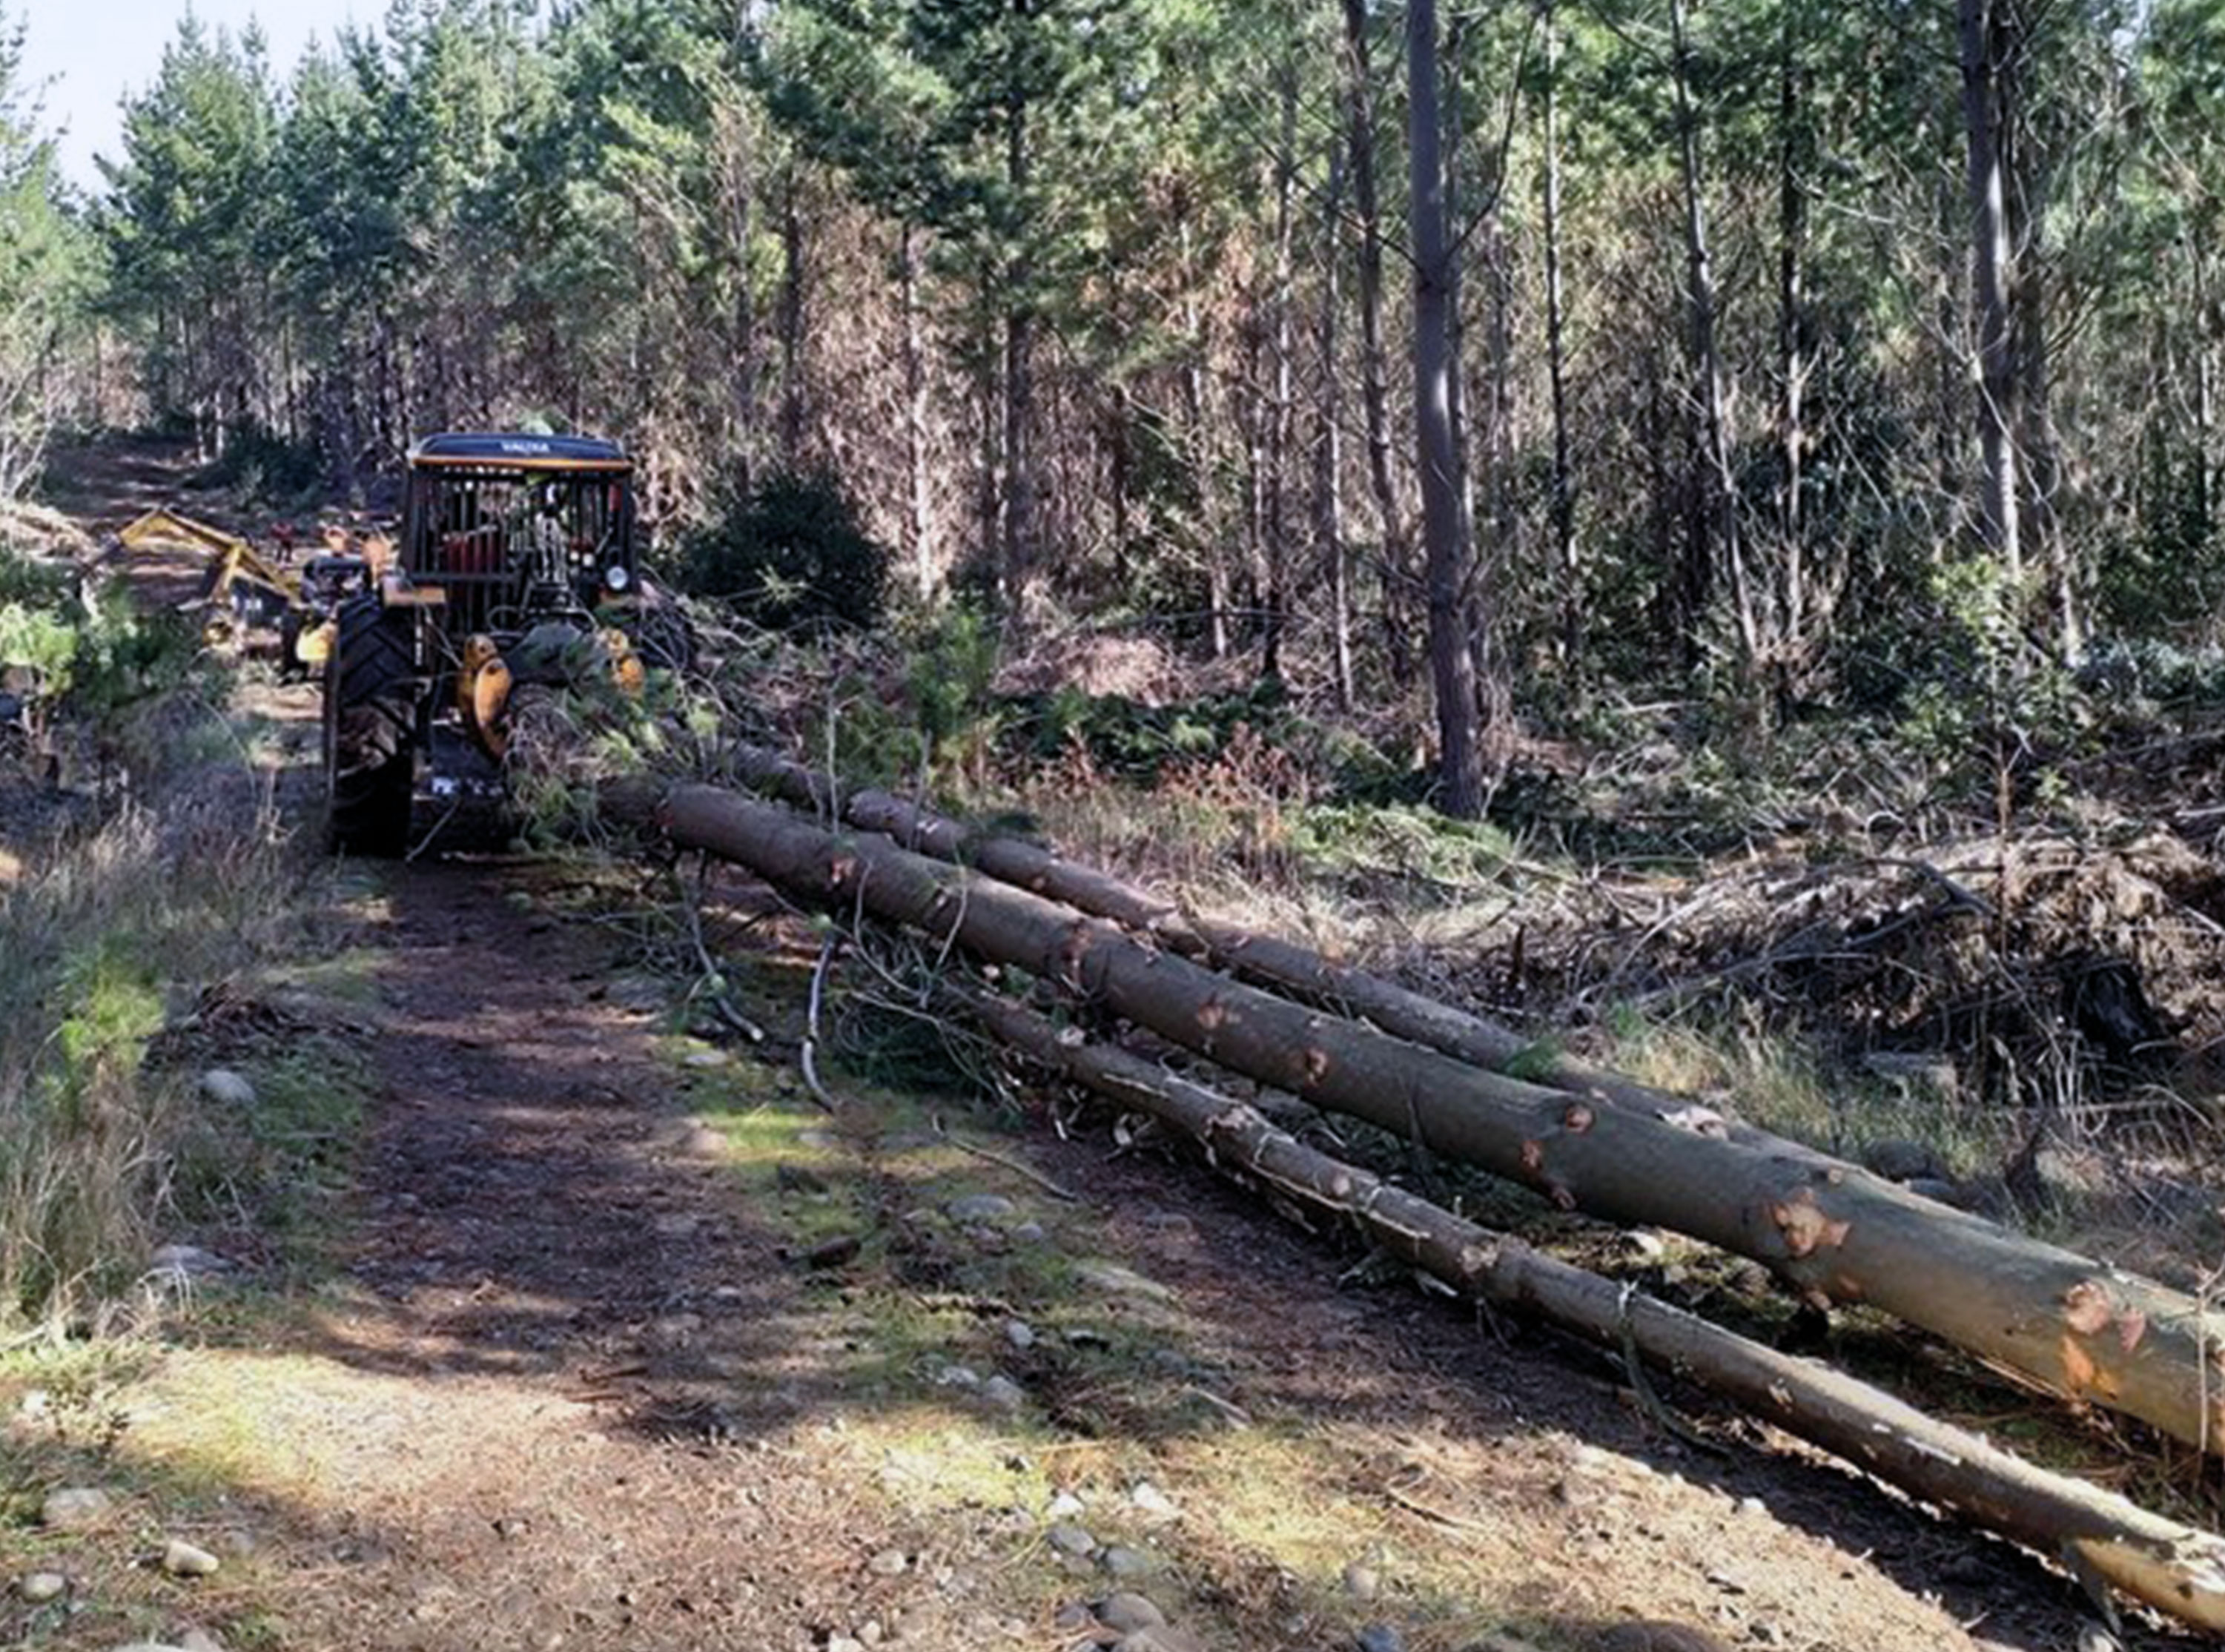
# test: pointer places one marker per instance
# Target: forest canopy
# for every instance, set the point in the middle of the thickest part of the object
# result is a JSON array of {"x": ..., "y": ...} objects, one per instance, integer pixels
[{"x": 1795, "y": 358}]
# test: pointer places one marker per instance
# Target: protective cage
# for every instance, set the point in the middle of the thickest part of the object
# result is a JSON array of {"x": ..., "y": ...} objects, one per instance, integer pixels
[{"x": 517, "y": 530}]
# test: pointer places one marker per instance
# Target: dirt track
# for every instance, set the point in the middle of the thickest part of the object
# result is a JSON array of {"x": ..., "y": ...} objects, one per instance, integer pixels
[{"x": 595, "y": 1367}]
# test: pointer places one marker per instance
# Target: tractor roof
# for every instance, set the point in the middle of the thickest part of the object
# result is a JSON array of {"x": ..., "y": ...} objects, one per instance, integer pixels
[{"x": 517, "y": 450}]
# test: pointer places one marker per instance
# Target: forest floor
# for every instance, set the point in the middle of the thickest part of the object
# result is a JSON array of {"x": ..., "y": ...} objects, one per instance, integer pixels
[{"x": 596, "y": 1331}]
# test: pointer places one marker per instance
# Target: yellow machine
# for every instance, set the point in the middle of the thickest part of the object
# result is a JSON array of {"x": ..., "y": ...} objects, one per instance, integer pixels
[
  {"x": 515, "y": 567},
  {"x": 241, "y": 591}
]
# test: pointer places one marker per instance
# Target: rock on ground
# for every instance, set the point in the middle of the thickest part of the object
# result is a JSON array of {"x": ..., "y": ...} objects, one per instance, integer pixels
[{"x": 74, "y": 1507}]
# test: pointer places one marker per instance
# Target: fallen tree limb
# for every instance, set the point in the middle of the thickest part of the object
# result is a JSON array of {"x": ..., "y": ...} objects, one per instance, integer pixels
[
  {"x": 2177, "y": 1569},
  {"x": 1834, "y": 1232}
]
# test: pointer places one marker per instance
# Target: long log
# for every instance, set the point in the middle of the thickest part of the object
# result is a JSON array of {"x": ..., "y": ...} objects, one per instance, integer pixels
[
  {"x": 1834, "y": 1232},
  {"x": 1265, "y": 960},
  {"x": 2175, "y": 1568}
]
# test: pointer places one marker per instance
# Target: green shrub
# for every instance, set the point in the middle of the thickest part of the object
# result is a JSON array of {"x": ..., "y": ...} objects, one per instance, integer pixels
[
  {"x": 790, "y": 553},
  {"x": 261, "y": 464}
]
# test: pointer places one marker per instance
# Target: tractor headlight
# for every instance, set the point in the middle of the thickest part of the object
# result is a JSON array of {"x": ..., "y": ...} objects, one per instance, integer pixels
[{"x": 616, "y": 578}]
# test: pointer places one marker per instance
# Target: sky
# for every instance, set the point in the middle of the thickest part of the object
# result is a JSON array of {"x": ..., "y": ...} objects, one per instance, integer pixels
[{"x": 89, "y": 53}]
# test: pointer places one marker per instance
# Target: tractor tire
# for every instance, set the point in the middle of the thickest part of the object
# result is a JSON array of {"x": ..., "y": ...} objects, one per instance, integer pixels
[{"x": 371, "y": 731}]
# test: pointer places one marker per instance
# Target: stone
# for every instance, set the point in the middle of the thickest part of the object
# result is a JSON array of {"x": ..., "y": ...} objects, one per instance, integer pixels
[
  {"x": 980, "y": 1207},
  {"x": 1160, "y": 1637},
  {"x": 1019, "y": 1334},
  {"x": 199, "y": 1640},
  {"x": 702, "y": 1141},
  {"x": 1150, "y": 1500},
  {"x": 871, "y": 1632},
  {"x": 1897, "y": 1159},
  {"x": 832, "y": 1253},
  {"x": 1063, "y": 1505},
  {"x": 1028, "y": 1233},
  {"x": 40, "y": 1588},
  {"x": 705, "y": 1058},
  {"x": 1070, "y": 1539},
  {"x": 1128, "y": 1611},
  {"x": 1122, "y": 1561},
  {"x": 74, "y": 1507},
  {"x": 1114, "y": 1280},
  {"x": 1073, "y": 1618},
  {"x": 1379, "y": 1637},
  {"x": 1657, "y": 1636},
  {"x": 957, "y": 1376},
  {"x": 227, "y": 1089},
  {"x": 673, "y": 1330},
  {"x": 187, "y": 1261},
  {"x": 1361, "y": 1580},
  {"x": 1004, "y": 1393},
  {"x": 889, "y": 1563},
  {"x": 799, "y": 1178},
  {"x": 843, "y": 1643},
  {"x": 1913, "y": 1072},
  {"x": 182, "y": 1560}
]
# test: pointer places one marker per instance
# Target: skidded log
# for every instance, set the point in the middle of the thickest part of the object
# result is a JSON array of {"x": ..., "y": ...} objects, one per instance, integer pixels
[
  {"x": 1266, "y": 960},
  {"x": 2175, "y": 1568},
  {"x": 1833, "y": 1231}
]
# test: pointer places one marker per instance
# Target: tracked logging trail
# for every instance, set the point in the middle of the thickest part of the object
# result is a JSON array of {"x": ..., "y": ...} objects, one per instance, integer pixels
[{"x": 624, "y": 1343}]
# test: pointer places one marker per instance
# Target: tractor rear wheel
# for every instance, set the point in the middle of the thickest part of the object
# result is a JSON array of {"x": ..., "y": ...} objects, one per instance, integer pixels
[{"x": 370, "y": 729}]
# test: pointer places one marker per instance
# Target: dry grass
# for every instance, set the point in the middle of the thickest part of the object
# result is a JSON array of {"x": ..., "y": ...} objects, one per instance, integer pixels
[{"x": 110, "y": 938}]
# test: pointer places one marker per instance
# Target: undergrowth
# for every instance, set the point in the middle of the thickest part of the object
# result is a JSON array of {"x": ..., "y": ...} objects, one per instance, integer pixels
[{"x": 114, "y": 916}]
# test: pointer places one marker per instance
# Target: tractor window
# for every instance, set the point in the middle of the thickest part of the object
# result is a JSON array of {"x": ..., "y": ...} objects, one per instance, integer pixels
[{"x": 512, "y": 548}]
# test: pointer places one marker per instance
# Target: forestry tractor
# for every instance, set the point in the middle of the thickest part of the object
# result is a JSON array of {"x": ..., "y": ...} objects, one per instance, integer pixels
[{"x": 515, "y": 565}]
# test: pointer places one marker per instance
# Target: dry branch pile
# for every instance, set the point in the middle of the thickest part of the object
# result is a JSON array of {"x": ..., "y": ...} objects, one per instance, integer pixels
[{"x": 1592, "y": 1144}]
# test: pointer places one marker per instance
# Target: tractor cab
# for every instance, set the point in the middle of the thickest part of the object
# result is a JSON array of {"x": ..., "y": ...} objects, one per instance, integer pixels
[
  {"x": 517, "y": 531},
  {"x": 515, "y": 565}
]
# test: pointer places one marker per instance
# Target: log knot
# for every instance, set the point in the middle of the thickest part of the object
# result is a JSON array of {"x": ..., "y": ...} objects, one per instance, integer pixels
[{"x": 1806, "y": 1227}]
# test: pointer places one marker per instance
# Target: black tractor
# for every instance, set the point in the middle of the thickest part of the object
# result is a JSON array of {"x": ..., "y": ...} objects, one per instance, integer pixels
[{"x": 515, "y": 564}]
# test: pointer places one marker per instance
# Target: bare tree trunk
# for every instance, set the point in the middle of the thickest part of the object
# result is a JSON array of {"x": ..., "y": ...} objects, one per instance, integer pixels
[
  {"x": 915, "y": 438},
  {"x": 988, "y": 492},
  {"x": 2165, "y": 1564},
  {"x": 2027, "y": 185},
  {"x": 1277, "y": 528},
  {"x": 740, "y": 213},
  {"x": 1198, "y": 438},
  {"x": 1446, "y": 527},
  {"x": 1019, "y": 385},
  {"x": 1563, "y": 505},
  {"x": 1717, "y": 544},
  {"x": 791, "y": 322},
  {"x": 1994, "y": 276},
  {"x": 1830, "y": 1232},
  {"x": 2205, "y": 388},
  {"x": 1396, "y": 564},
  {"x": 1493, "y": 697},
  {"x": 1328, "y": 441},
  {"x": 1792, "y": 364}
]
